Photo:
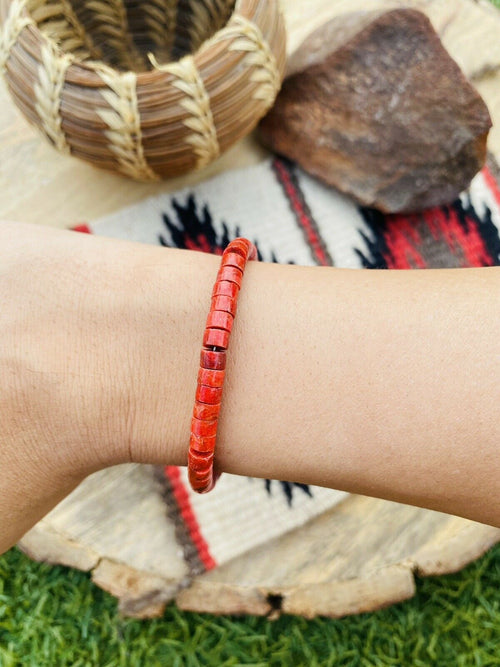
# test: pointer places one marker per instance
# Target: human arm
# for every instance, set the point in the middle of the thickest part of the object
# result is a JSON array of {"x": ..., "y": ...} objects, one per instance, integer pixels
[{"x": 383, "y": 383}]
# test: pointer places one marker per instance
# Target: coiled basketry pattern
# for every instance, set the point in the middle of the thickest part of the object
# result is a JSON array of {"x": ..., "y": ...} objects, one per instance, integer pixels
[{"x": 152, "y": 88}]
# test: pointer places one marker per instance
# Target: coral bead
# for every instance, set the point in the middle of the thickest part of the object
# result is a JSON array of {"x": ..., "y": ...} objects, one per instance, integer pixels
[
  {"x": 211, "y": 378},
  {"x": 226, "y": 303},
  {"x": 203, "y": 428},
  {"x": 202, "y": 444},
  {"x": 230, "y": 273},
  {"x": 216, "y": 338},
  {"x": 241, "y": 246},
  {"x": 226, "y": 288},
  {"x": 218, "y": 319},
  {"x": 201, "y": 463},
  {"x": 203, "y": 484},
  {"x": 215, "y": 361},
  {"x": 234, "y": 259},
  {"x": 210, "y": 395},
  {"x": 206, "y": 412}
]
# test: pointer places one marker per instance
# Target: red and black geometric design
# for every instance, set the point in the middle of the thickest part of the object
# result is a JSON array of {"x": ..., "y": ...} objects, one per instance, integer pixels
[
  {"x": 288, "y": 489},
  {"x": 451, "y": 236},
  {"x": 195, "y": 230}
]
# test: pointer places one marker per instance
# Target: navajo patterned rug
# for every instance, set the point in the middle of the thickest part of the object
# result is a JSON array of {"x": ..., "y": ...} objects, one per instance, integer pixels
[{"x": 293, "y": 218}]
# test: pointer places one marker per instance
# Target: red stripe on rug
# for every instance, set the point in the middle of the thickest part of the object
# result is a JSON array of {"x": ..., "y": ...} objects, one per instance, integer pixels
[
  {"x": 81, "y": 228},
  {"x": 462, "y": 241},
  {"x": 405, "y": 235},
  {"x": 492, "y": 184},
  {"x": 186, "y": 511},
  {"x": 402, "y": 238},
  {"x": 302, "y": 213}
]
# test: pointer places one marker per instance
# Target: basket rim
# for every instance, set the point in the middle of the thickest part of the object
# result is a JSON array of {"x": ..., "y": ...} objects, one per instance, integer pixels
[{"x": 92, "y": 68}]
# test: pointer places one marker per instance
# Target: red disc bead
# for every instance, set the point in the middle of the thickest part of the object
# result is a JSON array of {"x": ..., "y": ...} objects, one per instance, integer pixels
[
  {"x": 230, "y": 273},
  {"x": 203, "y": 472},
  {"x": 206, "y": 412},
  {"x": 210, "y": 395},
  {"x": 218, "y": 319},
  {"x": 234, "y": 259},
  {"x": 203, "y": 485},
  {"x": 211, "y": 378},
  {"x": 200, "y": 467},
  {"x": 202, "y": 444},
  {"x": 226, "y": 288},
  {"x": 201, "y": 477},
  {"x": 215, "y": 361},
  {"x": 216, "y": 338},
  {"x": 200, "y": 462},
  {"x": 205, "y": 429},
  {"x": 239, "y": 245},
  {"x": 226, "y": 303}
]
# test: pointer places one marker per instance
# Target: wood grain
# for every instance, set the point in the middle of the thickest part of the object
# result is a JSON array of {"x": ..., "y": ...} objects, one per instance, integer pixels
[{"x": 359, "y": 556}]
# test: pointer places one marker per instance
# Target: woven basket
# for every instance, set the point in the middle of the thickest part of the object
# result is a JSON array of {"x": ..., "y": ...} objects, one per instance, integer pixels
[{"x": 149, "y": 88}]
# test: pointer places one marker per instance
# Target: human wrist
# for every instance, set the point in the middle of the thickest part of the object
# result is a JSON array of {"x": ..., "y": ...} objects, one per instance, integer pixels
[
  {"x": 166, "y": 317},
  {"x": 99, "y": 345}
]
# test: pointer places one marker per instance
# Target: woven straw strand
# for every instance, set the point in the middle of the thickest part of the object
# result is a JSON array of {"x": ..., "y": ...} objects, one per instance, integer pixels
[
  {"x": 17, "y": 19},
  {"x": 207, "y": 17},
  {"x": 124, "y": 123},
  {"x": 58, "y": 21},
  {"x": 161, "y": 18},
  {"x": 48, "y": 91},
  {"x": 197, "y": 103},
  {"x": 111, "y": 16},
  {"x": 259, "y": 57}
]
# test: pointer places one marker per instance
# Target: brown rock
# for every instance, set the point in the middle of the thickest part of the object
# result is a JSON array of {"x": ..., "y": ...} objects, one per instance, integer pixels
[{"x": 375, "y": 106}]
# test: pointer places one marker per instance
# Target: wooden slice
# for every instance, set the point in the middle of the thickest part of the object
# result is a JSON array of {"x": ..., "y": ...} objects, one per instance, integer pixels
[{"x": 359, "y": 556}]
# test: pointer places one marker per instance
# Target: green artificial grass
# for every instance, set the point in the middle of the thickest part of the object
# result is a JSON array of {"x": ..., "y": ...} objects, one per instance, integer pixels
[{"x": 51, "y": 616}]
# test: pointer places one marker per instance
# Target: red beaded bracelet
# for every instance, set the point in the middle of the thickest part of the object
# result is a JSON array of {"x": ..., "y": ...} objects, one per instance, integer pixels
[{"x": 213, "y": 363}]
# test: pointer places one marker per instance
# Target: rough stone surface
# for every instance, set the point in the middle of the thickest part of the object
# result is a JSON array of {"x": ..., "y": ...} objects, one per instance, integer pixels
[{"x": 375, "y": 106}]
